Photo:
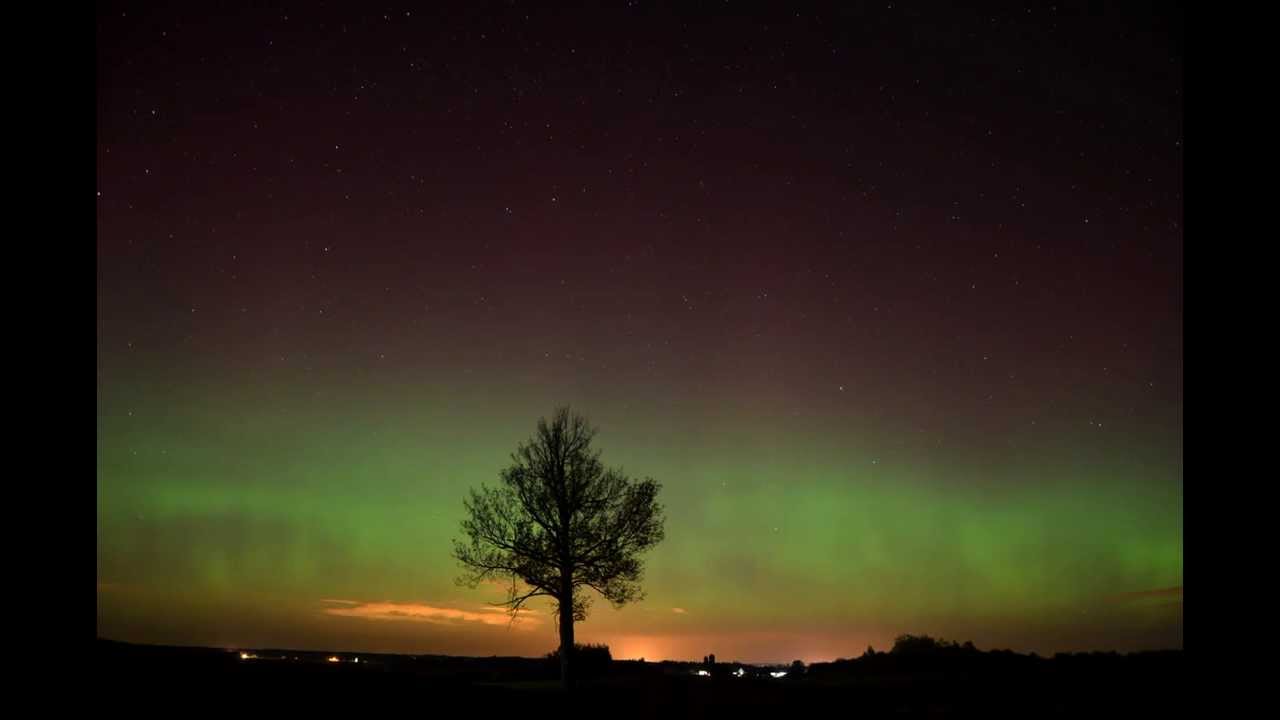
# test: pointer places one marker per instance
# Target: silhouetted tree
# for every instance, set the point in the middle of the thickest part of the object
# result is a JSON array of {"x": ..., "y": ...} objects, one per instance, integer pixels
[
  {"x": 561, "y": 524},
  {"x": 797, "y": 668}
]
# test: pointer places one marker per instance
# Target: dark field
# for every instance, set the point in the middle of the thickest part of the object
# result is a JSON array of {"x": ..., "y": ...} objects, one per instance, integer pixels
[{"x": 159, "y": 681}]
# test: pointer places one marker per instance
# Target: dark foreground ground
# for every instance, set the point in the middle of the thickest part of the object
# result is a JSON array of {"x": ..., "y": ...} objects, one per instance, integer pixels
[{"x": 152, "y": 681}]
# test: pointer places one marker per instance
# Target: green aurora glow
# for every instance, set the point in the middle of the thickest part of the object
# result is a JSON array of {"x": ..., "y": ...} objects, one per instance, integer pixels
[{"x": 231, "y": 527}]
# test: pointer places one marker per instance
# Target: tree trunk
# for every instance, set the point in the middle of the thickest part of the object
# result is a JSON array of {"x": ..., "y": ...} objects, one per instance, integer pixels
[{"x": 566, "y": 641}]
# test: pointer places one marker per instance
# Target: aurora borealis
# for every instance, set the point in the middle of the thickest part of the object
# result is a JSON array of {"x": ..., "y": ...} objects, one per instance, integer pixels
[{"x": 889, "y": 300}]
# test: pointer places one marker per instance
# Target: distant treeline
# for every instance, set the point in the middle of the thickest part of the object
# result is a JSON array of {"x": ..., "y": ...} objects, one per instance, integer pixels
[
  {"x": 909, "y": 654},
  {"x": 919, "y": 675},
  {"x": 914, "y": 653}
]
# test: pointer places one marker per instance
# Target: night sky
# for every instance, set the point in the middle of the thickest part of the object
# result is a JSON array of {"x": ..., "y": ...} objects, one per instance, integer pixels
[{"x": 888, "y": 298}]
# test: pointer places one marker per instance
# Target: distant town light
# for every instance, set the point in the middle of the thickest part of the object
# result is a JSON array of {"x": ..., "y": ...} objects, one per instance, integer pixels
[
  {"x": 740, "y": 672},
  {"x": 245, "y": 655},
  {"x": 703, "y": 673},
  {"x": 778, "y": 674},
  {"x": 334, "y": 658}
]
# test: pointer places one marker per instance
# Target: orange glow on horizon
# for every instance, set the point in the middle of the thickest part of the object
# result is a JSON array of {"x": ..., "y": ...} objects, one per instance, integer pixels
[{"x": 749, "y": 647}]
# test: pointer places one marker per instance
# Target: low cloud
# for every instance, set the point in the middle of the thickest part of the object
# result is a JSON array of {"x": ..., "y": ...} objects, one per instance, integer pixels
[
  {"x": 1173, "y": 594},
  {"x": 421, "y": 612}
]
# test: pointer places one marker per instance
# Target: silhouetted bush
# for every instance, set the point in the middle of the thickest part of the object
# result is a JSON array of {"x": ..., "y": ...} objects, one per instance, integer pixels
[
  {"x": 921, "y": 645},
  {"x": 588, "y": 660}
]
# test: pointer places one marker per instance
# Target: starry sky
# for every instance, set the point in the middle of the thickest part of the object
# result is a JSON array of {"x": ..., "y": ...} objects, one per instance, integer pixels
[{"x": 888, "y": 297}]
